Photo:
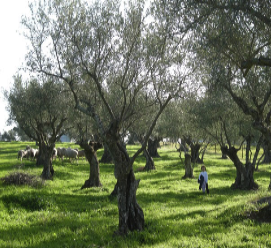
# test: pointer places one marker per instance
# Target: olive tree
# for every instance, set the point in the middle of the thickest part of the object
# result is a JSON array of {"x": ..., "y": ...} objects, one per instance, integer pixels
[
  {"x": 125, "y": 61},
  {"x": 83, "y": 130},
  {"x": 220, "y": 118},
  {"x": 40, "y": 107},
  {"x": 232, "y": 47},
  {"x": 248, "y": 86},
  {"x": 231, "y": 38}
]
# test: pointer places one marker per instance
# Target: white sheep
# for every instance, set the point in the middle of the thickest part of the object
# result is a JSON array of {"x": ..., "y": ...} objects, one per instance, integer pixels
[
  {"x": 32, "y": 153},
  {"x": 54, "y": 154},
  {"x": 61, "y": 152},
  {"x": 72, "y": 154},
  {"x": 21, "y": 154},
  {"x": 36, "y": 154}
]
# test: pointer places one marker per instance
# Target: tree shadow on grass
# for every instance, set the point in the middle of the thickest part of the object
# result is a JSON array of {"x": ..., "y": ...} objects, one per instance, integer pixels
[
  {"x": 97, "y": 208},
  {"x": 167, "y": 157},
  {"x": 159, "y": 176},
  {"x": 66, "y": 231},
  {"x": 227, "y": 174},
  {"x": 157, "y": 230},
  {"x": 217, "y": 196},
  {"x": 200, "y": 224},
  {"x": 69, "y": 230},
  {"x": 262, "y": 174},
  {"x": 64, "y": 202},
  {"x": 106, "y": 167},
  {"x": 5, "y": 167},
  {"x": 60, "y": 175}
]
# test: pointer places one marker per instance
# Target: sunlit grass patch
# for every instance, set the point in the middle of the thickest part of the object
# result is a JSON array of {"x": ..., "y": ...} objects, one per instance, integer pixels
[{"x": 177, "y": 214}]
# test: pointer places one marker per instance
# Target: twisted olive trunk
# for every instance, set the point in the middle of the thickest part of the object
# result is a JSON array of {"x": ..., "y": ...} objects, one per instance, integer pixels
[
  {"x": 45, "y": 157},
  {"x": 106, "y": 158},
  {"x": 195, "y": 148},
  {"x": 267, "y": 151},
  {"x": 91, "y": 155},
  {"x": 149, "y": 161},
  {"x": 131, "y": 216},
  {"x": 153, "y": 145},
  {"x": 244, "y": 172},
  {"x": 188, "y": 167}
]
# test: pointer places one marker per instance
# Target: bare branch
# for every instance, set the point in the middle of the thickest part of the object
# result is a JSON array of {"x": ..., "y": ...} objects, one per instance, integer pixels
[
  {"x": 144, "y": 144},
  {"x": 258, "y": 146}
]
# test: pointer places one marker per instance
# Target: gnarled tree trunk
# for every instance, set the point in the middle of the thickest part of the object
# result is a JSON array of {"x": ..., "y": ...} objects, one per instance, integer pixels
[
  {"x": 106, "y": 157},
  {"x": 149, "y": 161},
  {"x": 195, "y": 149},
  {"x": 244, "y": 173},
  {"x": 195, "y": 153},
  {"x": 91, "y": 155},
  {"x": 131, "y": 216},
  {"x": 267, "y": 152},
  {"x": 224, "y": 156},
  {"x": 41, "y": 156},
  {"x": 45, "y": 155},
  {"x": 153, "y": 146},
  {"x": 188, "y": 167},
  {"x": 183, "y": 146}
]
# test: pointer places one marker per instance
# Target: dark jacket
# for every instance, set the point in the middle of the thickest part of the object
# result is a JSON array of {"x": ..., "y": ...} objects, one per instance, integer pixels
[{"x": 200, "y": 181}]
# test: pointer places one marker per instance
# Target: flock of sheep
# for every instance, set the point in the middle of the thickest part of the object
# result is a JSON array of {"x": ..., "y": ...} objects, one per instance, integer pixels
[
  {"x": 28, "y": 153},
  {"x": 70, "y": 153}
]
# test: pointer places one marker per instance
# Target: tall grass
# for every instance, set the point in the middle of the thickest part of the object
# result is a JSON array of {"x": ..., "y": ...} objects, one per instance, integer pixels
[{"x": 177, "y": 214}]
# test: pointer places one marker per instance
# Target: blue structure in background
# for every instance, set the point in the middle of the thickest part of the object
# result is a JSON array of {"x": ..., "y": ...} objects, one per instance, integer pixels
[{"x": 65, "y": 138}]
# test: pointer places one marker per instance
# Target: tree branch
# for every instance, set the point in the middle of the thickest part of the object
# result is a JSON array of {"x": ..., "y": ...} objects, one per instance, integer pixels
[
  {"x": 144, "y": 144},
  {"x": 257, "y": 150},
  {"x": 261, "y": 61},
  {"x": 242, "y": 104}
]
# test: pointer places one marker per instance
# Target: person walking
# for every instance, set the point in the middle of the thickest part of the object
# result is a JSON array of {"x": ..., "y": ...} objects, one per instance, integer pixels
[{"x": 203, "y": 180}]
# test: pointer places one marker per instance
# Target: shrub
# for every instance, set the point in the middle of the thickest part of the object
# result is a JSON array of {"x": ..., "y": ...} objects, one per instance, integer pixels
[{"x": 20, "y": 178}]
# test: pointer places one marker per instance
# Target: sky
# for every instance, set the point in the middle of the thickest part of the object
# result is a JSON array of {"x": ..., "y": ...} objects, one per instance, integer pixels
[{"x": 13, "y": 48}]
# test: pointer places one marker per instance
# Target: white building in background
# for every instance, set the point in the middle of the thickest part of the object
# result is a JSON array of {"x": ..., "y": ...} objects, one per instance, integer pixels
[{"x": 65, "y": 138}]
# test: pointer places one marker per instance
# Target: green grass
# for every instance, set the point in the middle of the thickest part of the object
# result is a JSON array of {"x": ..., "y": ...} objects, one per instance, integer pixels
[{"x": 177, "y": 214}]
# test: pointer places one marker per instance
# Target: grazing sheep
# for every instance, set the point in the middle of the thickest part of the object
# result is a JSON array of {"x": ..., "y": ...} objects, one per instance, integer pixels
[
  {"x": 54, "y": 154},
  {"x": 61, "y": 152},
  {"x": 32, "y": 153},
  {"x": 36, "y": 154},
  {"x": 81, "y": 153},
  {"x": 21, "y": 154},
  {"x": 29, "y": 153},
  {"x": 72, "y": 154}
]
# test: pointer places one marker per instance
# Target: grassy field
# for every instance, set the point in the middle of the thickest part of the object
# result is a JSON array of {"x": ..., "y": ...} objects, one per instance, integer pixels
[{"x": 177, "y": 214}]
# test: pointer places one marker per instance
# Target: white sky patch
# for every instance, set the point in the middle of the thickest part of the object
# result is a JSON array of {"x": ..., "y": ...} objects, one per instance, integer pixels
[{"x": 12, "y": 48}]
